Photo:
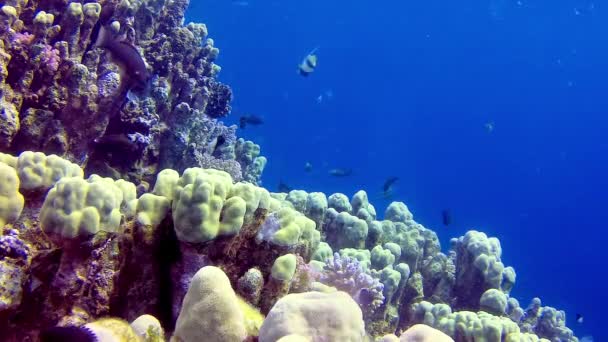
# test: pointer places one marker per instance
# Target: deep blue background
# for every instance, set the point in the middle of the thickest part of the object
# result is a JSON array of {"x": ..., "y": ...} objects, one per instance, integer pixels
[{"x": 414, "y": 84}]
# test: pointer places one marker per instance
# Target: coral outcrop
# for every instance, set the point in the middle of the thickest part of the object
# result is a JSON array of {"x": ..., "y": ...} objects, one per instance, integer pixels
[
  {"x": 202, "y": 253},
  {"x": 61, "y": 95}
]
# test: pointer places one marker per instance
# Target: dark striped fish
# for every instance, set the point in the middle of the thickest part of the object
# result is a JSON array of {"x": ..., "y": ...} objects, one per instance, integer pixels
[{"x": 309, "y": 63}]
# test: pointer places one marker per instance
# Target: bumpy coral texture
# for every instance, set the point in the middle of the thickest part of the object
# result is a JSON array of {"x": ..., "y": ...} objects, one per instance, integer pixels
[{"x": 60, "y": 96}]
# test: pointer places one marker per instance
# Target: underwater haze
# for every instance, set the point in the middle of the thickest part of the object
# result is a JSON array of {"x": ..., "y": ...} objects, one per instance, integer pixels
[{"x": 495, "y": 110}]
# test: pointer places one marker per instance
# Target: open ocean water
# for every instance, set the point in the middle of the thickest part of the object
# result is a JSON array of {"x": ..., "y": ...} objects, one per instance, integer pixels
[{"x": 496, "y": 110}]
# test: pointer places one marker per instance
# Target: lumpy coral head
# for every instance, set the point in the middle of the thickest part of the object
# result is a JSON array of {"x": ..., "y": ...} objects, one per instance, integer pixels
[
  {"x": 78, "y": 208},
  {"x": 202, "y": 208},
  {"x": 210, "y": 311},
  {"x": 316, "y": 316},
  {"x": 11, "y": 201},
  {"x": 424, "y": 333}
]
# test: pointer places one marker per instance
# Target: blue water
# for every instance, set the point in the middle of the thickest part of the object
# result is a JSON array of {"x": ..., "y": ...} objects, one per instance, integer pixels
[{"x": 414, "y": 84}]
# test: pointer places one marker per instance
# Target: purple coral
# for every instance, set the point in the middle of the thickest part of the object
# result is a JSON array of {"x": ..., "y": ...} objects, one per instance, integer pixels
[
  {"x": 346, "y": 274},
  {"x": 12, "y": 247},
  {"x": 23, "y": 38},
  {"x": 269, "y": 227},
  {"x": 49, "y": 57}
]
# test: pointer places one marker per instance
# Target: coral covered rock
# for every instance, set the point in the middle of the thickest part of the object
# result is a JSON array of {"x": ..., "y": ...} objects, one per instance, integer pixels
[
  {"x": 315, "y": 316},
  {"x": 210, "y": 311}
]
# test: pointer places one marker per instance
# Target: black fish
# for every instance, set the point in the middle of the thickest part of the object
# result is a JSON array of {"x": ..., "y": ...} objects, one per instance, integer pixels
[
  {"x": 68, "y": 334},
  {"x": 107, "y": 11},
  {"x": 579, "y": 318},
  {"x": 340, "y": 172},
  {"x": 284, "y": 187},
  {"x": 388, "y": 184},
  {"x": 132, "y": 66},
  {"x": 250, "y": 120},
  {"x": 446, "y": 218},
  {"x": 115, "y": 143},
  {"x": 365, "y": 297}
]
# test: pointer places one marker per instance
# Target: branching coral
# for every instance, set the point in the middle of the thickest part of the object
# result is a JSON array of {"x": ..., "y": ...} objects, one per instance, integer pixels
[{"x": 346, "y": 274}]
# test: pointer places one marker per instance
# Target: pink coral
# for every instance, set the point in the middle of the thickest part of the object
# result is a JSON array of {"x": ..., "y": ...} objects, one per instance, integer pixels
[
  {"x": 25, "y": 38},
  {"x": 50, "y": 58}
]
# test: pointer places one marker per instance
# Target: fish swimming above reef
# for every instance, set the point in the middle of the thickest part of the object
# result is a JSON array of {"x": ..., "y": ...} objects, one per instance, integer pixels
[
  {"x": 579, "y": 318},
  {"x": 309, "y": 63},
  {"x": 250, "y": 120},
  {"x": 284, "y": 187},
  {"x": 387, "y": 188},
  {"x": 308, "y": 167},
  {"x": 489, "y": 126},
  {"x": 446, "y": 217},
  {"x": 338, "y": 172}
]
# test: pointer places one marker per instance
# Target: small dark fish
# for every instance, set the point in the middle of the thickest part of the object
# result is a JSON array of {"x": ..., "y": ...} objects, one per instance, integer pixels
[
  {"x": 446, "y": 217},
  {"x": 309, "y": 63},
  {"x": 388, "y": 184},
  {"x": 340, "y": 172},
  {"x": 284, "y": 187},
  {"x": 250, "y": 120},
  {"x": 579, "y": 318},
  {"x": 221, "y": 140},
  {"x": 68, "y": 334},
  {"x": 115, "y": 143},
  {"x": 365, "y": 297},
  {"x": 308, "y": 167},
  {"x": 107, "y": 11}
]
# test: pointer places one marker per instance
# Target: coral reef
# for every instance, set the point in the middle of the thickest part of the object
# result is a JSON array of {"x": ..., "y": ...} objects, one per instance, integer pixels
[
  {"x": 203, "y": 253},
  {"x": 61, "y": 95},
  {"x": 170, "y": 229}
]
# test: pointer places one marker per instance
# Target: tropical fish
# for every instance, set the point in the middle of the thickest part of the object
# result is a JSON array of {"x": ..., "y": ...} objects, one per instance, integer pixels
[
  {"x": 101, "y": 330},
  {"x": 68, "y": 334},
  {"x": 489, "y": 126},
  {"x": 250, "y": 120},
  {"x": 365, "y": 297},
  {"x": 387, "y": 188},
  {"x": 115, "y": 143},
  {"x": 338, "y": 172},
  {"x": 579, "y": 318},
  {"x": 308, "y": 167},
  {"x": 309, "y": 63},
  {"x": 446, "y": 217},
  {"x": 284, "y": 187},
  {"x": 133, "y": 70}
]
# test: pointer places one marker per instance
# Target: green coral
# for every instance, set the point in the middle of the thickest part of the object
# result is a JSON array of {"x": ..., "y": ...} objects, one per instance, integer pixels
[
  {"x": 11, "y": 201},
  {"x": 363, "y": 255},
  {"x": 40, "y": 172},
  {"x": 284, "y": 267},
  {"x": 254, "y": 196},
  {"x": 381, "y": 258},
  {"x": 294, "y": 228},
  {"x": 202, "y": 209},
  {"x": 323, "y": 252},
  {"x": 166, "y": 183},
  {"x": 76, "y": 208},
  {"x": 152, "y": 209}
]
